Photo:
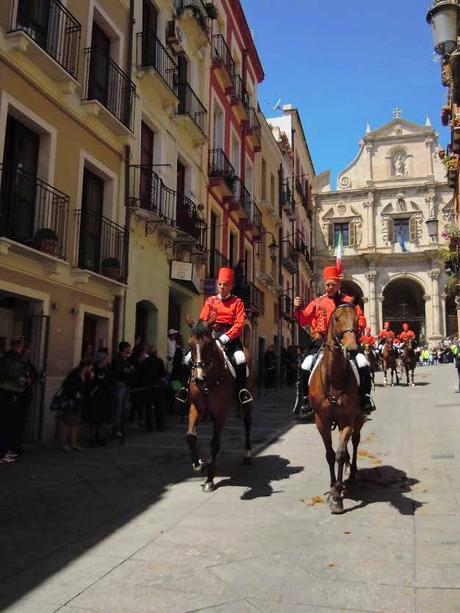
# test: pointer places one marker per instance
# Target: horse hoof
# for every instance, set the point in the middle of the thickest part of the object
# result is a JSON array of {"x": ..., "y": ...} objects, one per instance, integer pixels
[
  {"x": 247, "y": 461},
  {"x": 198, "y": 467},
  {"x": 412, "y": 384},
  {"x": 209, "y": 486},
  {"x": 336, "y": 506}
]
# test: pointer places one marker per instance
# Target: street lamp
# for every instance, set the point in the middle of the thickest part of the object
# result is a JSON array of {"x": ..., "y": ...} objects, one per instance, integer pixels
[
  {"x": 272, "y": 247},
  {"x": 432, "y": 227},
  {"x": 443, "y": 17}
]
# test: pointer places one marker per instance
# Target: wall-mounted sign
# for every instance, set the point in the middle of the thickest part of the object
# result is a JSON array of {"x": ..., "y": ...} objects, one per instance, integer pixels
[{"x": 185, "y": 273}]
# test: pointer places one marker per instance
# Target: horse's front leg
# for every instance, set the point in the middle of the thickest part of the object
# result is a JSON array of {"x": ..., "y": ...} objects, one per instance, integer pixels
[
  {"x": 341, "y": 457},
  {"x": 325, "y": 432},
  {"x": 247, "y": 420},
  {"x": 355, "y": 439},
  {"x": 192, "y": 437},
  {"x": 218, "y": 424},
  {"x": 385, "y": 380}
]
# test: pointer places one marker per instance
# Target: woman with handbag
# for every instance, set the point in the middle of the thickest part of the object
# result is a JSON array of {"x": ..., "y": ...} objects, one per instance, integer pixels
[{"x": 70, "y": 403}]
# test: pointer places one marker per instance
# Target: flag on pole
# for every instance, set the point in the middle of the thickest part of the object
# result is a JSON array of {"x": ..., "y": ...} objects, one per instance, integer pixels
[{"x": 338, "y": 254}]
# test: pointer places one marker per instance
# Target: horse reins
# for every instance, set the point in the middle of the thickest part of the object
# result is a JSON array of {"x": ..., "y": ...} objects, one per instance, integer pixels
[{"x": 199, "y": 364}]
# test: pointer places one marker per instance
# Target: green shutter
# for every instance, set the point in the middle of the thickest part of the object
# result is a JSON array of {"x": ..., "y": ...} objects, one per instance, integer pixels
[{"x": 413, "y": 229}]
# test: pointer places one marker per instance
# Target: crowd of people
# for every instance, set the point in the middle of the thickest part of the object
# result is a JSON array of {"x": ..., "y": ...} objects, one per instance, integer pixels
[{"x": 102, "y": 392}]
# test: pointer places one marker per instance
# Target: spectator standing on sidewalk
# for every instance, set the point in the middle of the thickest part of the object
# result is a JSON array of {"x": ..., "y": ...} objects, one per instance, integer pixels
[
  {"x": 100, "y": 399},
  {"x": 138, "y": 355},
  {"x": 171, "y": 348},
  {"x": 122, "y": 372},
  {"x": 25, "y": 399},
  {"x": 75, "y": 390},
  {"x": 151, "y": 374},
  {"x": 13, "y": 382},
  {"x": 270, "y": 368}
]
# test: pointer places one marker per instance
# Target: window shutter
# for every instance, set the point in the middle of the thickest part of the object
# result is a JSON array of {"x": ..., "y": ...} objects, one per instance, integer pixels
[
  {"x": 330, "y": 234},
  {"x": 391, "y": 231},
  {"x": 412, "y": 229},
  {"x": 352, "y": 234}
]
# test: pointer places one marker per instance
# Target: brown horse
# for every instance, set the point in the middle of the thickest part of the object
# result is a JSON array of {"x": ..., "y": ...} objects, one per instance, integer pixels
[
  {"x": 335, "y": 399},
  {"x": 390, "y": 361},
  {"x": 211, "y": 391},
  {"x": 371, "y": 357},
  {"x": 409, "y": 361}
]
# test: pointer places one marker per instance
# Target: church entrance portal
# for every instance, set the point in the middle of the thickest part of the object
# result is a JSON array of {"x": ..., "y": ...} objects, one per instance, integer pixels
[{"x": 403, "y": 302}]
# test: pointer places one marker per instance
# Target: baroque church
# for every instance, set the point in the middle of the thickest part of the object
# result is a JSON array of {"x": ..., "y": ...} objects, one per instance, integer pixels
[{"x": 380, "y": 207}]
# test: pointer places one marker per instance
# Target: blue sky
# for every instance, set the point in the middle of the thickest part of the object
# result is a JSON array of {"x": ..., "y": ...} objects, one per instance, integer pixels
[{"x": 345, "y": 63}]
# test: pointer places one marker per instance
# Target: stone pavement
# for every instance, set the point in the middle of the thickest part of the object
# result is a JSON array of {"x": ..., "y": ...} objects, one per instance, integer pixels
[{"x": 128, "y": 529}]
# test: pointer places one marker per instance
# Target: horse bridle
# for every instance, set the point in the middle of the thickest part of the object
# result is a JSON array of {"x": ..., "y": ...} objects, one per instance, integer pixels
[
  {"x": 339, "y": 336},
  {"x": 199, "y": 364}
]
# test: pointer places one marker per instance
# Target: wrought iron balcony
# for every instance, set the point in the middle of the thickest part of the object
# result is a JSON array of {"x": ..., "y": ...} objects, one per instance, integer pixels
[
  {"x": 109, "y": 85},
  {"x": 148, "y": 192},
  {"x": 254, "y": 301},
  {"x": 241, "y": 199},
  {"x": 191, "y": 106},
  {"x": 239, "y": 98},
  {"x": 255, "y": 221},
  {"x": 222, "y": 60},
  {"x": 286, "y": 308},
  {"x": 288, "y": 256},
  {"x": 102, "y": 245},
  {"x": 53, "y": 28},
  {"x": 197, "y": 8},
  {"x": 32, "y": 212},
  {"x": 219, "y": 166},
  {"x": 216, "y": 260},
  {"x": 254, "y": 130},
  {"x": 151, "y": 53}
]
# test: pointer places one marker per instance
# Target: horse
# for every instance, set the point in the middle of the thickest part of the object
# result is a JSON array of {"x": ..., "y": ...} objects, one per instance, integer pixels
[
  {"x": 389, "y": 361},
  {"x": 409, "y": 360},
  {"x": 335, "y": 399},
  {"x": 372, "y": 358},
  {"x": 211, "y": 391}
]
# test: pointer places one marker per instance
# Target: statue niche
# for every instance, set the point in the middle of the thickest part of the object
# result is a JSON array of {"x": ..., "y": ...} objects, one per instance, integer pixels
[{"x": 399, "y": 163}]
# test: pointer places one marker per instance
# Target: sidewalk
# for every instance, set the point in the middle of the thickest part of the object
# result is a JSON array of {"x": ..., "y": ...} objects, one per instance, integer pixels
[{"x": 82, "y": 513}]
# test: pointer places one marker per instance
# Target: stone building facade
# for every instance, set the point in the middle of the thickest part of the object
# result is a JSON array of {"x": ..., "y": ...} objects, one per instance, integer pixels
[{"x": 382, "y": 202}]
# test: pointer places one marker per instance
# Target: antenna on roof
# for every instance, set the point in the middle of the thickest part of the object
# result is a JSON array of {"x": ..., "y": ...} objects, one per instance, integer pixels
[{"x": 277, "y": 106}]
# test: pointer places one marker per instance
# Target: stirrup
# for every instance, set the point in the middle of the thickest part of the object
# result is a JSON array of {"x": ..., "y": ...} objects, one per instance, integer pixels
[
  {"x": 367, "y": 404},
  {"x": 182, "y": 395},
  {"x": 244, "y": 396}
]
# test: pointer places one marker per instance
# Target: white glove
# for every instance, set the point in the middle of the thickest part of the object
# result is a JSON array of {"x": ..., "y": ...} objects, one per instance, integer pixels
[{"x": 223, "y": 339}]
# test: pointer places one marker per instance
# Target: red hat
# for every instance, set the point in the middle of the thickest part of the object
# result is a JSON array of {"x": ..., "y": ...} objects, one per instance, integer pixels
[
  {"x": 330, "y": 273},
  {"x": 405, "y": 326},
  {"x": 387, "y": 323},
  {"x": 225, "y": 276}
]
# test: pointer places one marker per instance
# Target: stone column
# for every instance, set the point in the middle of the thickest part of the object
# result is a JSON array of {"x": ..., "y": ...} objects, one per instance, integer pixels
[
  {"x": 369, "y": 161},
  {"x": 430, "y": 168},
  {"x": 380, "y": 298},
  {"x": 443, "y": 314},
  {"x": 428, "y": 332},
  {"x": 372, "y": 318},
  {"x": 436, "y": 310},
  {"x": 370, "y": 219}
]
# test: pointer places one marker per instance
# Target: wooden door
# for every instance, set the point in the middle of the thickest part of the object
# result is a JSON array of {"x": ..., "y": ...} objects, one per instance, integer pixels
[
  {"x": 149, "y": 34},
  {"x": 19, "y": 181},
  {"x": 182, "y": 73},
  {"x": 91, "y": 222},
  {"x": 98, "y": 87},
  {"x": 148, "y": 185},
  {"x": 34, "y": 16}
]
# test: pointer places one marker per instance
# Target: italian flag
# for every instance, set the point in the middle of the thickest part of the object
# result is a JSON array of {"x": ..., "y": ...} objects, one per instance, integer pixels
[{"x": 338, "y": 254}]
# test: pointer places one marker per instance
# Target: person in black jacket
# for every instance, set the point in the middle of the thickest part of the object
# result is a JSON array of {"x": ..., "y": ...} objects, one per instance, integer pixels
[
  {"x": 122, "y": 372},
  {"x": 151, "y": 373},
  {"x": 75, "y": 390},
  {"x": 100, "y": 399}
]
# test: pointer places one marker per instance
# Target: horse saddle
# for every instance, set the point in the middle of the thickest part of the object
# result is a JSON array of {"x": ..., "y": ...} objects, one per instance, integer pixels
[
  {"x": 229, "y": 364},
  {"x": 317, "y": 360}
]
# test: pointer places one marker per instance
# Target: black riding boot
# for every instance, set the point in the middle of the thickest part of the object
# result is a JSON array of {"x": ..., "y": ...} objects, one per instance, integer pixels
[
  {"x": 243, "y": 395},
  {"x": 365, "y": 386},
  {"x": 302, "y": 404}
]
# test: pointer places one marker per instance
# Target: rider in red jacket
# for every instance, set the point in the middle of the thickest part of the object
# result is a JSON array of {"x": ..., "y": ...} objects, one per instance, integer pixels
[
  {"x": 317, "y": 314},
  {"x": 407, "y": 334},
  {"x": 368, "y": 339}
]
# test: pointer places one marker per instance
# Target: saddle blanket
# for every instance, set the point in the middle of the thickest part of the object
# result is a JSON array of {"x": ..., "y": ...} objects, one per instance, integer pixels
[{"x": 320, "y": 357}]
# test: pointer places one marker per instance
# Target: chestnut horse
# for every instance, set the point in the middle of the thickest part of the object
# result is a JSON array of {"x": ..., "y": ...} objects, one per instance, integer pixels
[
  {"x": 409, "y": 361},
  {"x": 211, "y": 391},
  {"x": 390, "y": 361},
  {"x": 372, "y": 358},
  {"x": 335, "y": 399}
]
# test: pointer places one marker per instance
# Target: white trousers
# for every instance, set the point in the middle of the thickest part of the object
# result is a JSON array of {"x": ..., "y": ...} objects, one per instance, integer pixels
[{"x": 361, "y": 361}]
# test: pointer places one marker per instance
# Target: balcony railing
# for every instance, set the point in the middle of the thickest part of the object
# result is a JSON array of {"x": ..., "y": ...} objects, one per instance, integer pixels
[
  {"x": 32, "y": 212},
  {"x": 190, "y": 104},
  {"x": 254, "y": 124},
  {"x": 53, "y": 28},
  {"x": 239, "y": 92},
  {"x": 150, "y": 52},
  {"x": 221, "y": 53},
  {"x": 255, "y": 298},
  {"x": 216, "y": 260},
  {"x": 107, "y": 83},
  {"x": 147, "y": 191},
  {"x": 241, "y": 196},
  {"x": 288, "y": 255},
  {"x": 286, "y": 196},
  {"x": 198, "y": 9},
  {"x": 286, "y": 308},
  {"x": 219, "y": 165},
  {"x": 103, "y": 245},
  {"x": 256, "y": 218}
]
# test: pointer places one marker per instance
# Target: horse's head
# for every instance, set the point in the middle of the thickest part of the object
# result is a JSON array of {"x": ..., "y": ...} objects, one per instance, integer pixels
[
  {"x": 202, "y": 346},
  {"x": 342, "y": 328}
]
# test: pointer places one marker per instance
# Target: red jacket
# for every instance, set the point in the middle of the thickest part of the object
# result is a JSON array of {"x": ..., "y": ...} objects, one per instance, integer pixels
[
  {"x": 407, "y": 335},
  {"x": 384, "y": 333},
  {"x": 318, "y": 313},
  {"x": 230, "y": 312},
  {"x": 367, "y": 339}
]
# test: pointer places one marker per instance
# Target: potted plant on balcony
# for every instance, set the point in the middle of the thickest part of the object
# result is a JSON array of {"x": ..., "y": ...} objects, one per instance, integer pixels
[
  {"x": 111, "y": 268},
  {"x": 211, "y": 10},
  {"x": 452, "y": 234},
  {"x": 445, "y": 115},
  {"x": 47, "y": 240}
]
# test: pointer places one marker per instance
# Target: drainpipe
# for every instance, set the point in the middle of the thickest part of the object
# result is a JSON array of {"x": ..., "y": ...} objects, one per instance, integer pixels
[{"x": 127, "y": 156}]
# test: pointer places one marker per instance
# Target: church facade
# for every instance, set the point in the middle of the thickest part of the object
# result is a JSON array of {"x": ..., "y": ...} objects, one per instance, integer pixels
[{"x": 380, "y": 208}]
